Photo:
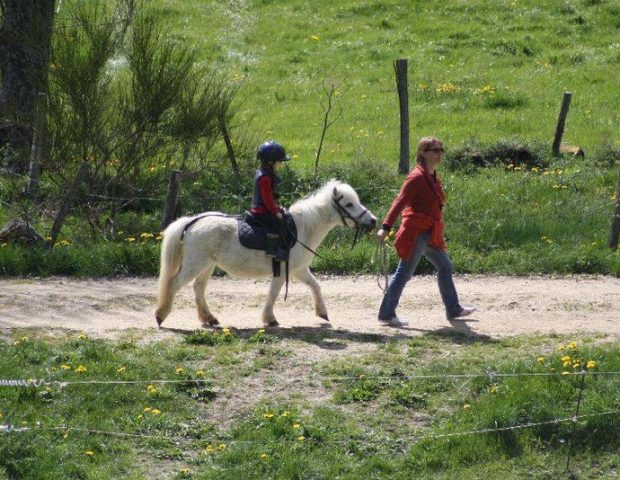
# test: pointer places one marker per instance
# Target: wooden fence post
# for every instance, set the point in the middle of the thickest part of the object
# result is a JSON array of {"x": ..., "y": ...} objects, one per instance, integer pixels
[
  {"x": 400, "y": 68},
  {"x": 171, "y": 199},
  {"x": 559, "y": 129},
  {"x": 229, "y": 148},
  {"x": 615, "y": 221},
  {"x": 67, "y": 201}
]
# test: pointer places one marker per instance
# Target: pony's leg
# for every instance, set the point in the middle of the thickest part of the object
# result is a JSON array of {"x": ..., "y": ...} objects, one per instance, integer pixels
[
  {"x": 185, "y": 275},
  {"x": 319, "y": 305},
  {"x": 268, "y": 316},
  {"x": 200, "y": 284}
]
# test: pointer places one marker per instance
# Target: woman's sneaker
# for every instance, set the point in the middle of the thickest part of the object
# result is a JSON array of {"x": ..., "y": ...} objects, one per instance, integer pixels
[
  {"x": 465, "y": 312},
  {"x": 394, "y": 322}
]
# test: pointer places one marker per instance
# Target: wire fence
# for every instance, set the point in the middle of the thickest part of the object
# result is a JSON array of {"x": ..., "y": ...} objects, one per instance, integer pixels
[
  {"x": 8, "y": 428},
  {"x": 38, "y": 383}
]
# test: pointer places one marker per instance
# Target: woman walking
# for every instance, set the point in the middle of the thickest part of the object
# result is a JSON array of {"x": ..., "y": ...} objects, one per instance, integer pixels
[{"x": 420, "y": 200}]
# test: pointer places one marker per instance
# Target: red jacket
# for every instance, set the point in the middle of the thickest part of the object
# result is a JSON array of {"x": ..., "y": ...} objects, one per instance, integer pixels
[
  {"x": 420, "y": 200},
  {"x": 270, "y": 205}
]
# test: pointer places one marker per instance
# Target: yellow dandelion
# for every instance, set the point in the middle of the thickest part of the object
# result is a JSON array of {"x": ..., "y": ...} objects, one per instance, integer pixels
[
  {"x": 540, "y": 359},
  {"x": 576, "y": 365},
  {"x": 467, "y": 406},
  {"x": 314, "y": 37},
  {"x": 565, "y": 373},
  {"x": 65, "y": 367},
  {"x": 534, "y": 170},
  {"x": 81, "y": 336},
  {"x": 90, "y": 453},
  {"x": 155, "y": 411},
  {"x": 565, "y": 358},
  {"x": 296, "y": 425},
  {"x": 121, "y": 369},
  {"x": 285, "y": 414},
  {"x": 493, "y": 389},
  {"x": 80, "y": 369},
  {"x": 151, "y": 390},
  {"x": 179, "y": 370},
  {"x": 264, "y": 456},
  {"x": 200, "y": 373},
  {"x": 131, "y": 239},
  {"x": 566, "y": 363},
  {"x": 147, "y": 409},
  {"x": 591, "y": 364},
  {"x": 226, "y": 331},
  {"x": 572, "y": 346},
  {"x": 221, "y": 446},
  {"x": 185, "y": 471},
  {"x": 561, "y": 348},
  {"x": 210, "y": 449},
  {"x": 268, "y": 415},
  {"x": 301, "y": 438}
]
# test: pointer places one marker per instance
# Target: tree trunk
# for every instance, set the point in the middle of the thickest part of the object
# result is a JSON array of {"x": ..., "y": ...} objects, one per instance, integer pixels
[{"x": 25, "y": 38}]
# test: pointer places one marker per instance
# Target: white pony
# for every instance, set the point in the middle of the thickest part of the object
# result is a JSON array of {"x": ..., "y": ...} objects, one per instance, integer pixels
[{"x": 191, "y": 252}]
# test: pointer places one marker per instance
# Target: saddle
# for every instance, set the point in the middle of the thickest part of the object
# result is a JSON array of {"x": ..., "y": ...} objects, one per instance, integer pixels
[{"x": 255, "y": 235}]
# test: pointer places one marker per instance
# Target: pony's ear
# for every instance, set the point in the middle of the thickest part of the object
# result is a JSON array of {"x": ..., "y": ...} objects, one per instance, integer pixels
[{"x": 335, "y": 192}]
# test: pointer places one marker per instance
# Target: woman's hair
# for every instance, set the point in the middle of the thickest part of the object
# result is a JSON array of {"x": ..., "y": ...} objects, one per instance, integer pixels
[{"x": 425, "y": 144}]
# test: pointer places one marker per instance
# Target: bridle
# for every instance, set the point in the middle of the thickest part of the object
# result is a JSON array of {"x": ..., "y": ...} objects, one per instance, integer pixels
[{"x": 345, "y": 215}]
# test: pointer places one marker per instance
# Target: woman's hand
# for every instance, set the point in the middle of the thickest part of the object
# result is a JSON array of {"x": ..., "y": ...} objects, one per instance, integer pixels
[{"x": 381, "y": 234}]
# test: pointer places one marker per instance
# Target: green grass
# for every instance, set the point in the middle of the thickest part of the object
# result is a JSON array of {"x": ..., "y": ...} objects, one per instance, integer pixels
[
  {"x": 502, "y": 219},
  {"x": 480, "y": 69},
  {"x": 480, "y": 72},
  {"x": 373, "y": 414}
]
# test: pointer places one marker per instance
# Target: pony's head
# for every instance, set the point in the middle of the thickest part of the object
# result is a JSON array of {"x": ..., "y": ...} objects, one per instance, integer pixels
[{"x": 348, "y": 206}]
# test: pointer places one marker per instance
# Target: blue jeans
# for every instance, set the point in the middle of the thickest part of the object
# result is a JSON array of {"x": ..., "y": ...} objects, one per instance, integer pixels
[{"x": 405, "y": 270}]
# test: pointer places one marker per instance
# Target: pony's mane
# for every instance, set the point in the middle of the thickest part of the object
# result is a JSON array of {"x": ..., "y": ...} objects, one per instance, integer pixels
[{"x": 320, "y": 195}]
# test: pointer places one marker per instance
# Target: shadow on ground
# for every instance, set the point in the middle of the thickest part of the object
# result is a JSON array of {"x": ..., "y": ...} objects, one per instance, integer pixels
[{"x": 329, "y": 338}]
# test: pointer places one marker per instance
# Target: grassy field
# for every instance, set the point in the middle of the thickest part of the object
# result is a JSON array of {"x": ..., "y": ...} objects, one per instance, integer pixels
[
  {"x": 508, "y": 220},
  {"x": 486, "y": 77},
  {"x": 250, "y": 404},
  {"x": 478, "y": 69}
]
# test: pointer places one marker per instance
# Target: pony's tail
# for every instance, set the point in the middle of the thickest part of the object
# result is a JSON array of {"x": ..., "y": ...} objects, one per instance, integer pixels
[{"x": 170, "y": 264}]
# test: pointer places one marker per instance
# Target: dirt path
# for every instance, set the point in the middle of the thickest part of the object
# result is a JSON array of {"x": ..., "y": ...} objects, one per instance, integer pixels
[{"x": 506, "y": 305}]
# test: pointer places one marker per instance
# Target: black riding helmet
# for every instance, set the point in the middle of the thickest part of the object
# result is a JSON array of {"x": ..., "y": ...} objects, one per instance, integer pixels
[{"x": 271, "y": 152}]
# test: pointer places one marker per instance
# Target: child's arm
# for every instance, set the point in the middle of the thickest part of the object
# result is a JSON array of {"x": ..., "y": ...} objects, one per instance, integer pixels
[{"x": 266, "y": 192}]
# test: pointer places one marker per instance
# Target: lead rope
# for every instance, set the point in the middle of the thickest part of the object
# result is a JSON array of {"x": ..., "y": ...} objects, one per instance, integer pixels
[{"x": 380, "y": 257}]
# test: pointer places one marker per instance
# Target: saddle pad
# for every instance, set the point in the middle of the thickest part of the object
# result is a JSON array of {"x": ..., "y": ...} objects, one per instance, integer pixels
[{"x": 253, "y": 234}]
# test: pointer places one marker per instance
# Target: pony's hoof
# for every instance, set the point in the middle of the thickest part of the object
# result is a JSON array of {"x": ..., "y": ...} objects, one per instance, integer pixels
[
  {"x": 324, "y": 316},
  {"x": 272, "y": 323},
  {"x": 207, "y": 319},
  {"x": 159, "y": 322}
]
